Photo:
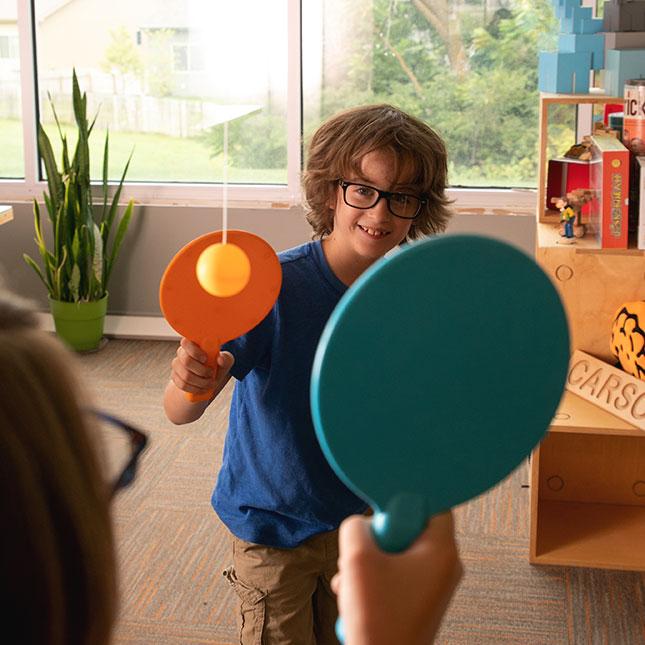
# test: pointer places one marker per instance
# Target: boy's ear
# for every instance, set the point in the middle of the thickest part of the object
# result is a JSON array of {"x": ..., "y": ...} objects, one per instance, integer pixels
[{"x": 333, "y": 198}]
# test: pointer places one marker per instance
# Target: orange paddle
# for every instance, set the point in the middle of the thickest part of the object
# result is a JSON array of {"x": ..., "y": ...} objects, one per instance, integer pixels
[{"x": 209, "y": 320}]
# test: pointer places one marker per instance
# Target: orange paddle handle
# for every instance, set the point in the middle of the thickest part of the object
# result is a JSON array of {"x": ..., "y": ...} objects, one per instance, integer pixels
[{"x": 212, "y": 350}]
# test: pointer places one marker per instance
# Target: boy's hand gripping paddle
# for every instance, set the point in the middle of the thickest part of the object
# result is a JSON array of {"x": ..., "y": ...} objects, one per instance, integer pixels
[
  {"x": 209, "y": 320},
  {"x": 437, "y": 373}
]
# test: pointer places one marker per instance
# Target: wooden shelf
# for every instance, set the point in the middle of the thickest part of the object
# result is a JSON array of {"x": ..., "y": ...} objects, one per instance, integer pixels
[
  {"x": 546, "y": 100},
  {"x": 592, "y": 283},
  {"x": 594, "y": 97},
  {"x": 604, "y": 536},
  {"x": 588, "y": 474},
  {"x": 588, "y": 491},
  {"x": 578, "y": 416},
  {"x": 547, "y": 236}
]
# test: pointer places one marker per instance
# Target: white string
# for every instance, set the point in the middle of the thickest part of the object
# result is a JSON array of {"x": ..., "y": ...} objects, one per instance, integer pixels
[{"x": 225, "y": 187}]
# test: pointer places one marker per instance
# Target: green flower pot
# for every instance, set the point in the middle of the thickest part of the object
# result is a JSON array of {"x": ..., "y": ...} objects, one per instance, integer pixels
[{"x": 79, "y": 324}]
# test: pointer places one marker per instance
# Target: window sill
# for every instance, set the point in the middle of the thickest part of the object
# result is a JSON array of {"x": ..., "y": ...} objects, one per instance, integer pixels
[{"x": 485, "y": 201}]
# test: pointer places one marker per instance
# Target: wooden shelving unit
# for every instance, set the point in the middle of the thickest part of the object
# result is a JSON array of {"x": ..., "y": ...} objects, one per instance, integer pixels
[
  {"x": 588, "y": 475},
  {"x": 592, "y": 283},
  {"x": 546, "y": 101},
  {"x": 588, "y": 491}
]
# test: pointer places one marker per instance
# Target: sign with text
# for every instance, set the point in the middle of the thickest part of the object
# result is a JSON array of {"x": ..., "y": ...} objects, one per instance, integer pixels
[{"x": 610, "y": 388}]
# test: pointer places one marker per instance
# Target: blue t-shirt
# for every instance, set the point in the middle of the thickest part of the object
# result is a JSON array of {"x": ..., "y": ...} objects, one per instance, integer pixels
[{"x": 275, "y": 486}]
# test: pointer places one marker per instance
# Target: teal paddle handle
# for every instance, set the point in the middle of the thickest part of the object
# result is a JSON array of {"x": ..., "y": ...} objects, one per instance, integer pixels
[
  {"x": 395, "y": 529},
  {"x": 404, "y": 519}
]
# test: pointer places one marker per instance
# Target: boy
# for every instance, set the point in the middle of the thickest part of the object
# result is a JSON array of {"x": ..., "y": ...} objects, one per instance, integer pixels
[{"x": 375, "y": 178}]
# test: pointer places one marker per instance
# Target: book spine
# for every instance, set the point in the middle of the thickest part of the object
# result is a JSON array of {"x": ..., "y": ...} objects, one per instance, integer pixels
[
  {"x": 615, "y": 199},
  {"x": 641, "y": 207}
]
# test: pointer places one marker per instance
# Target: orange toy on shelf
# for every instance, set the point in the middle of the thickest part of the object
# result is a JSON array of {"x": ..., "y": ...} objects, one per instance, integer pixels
[
  {"x": 628, "y": 338},
  {"x": 210, "y": 320}
]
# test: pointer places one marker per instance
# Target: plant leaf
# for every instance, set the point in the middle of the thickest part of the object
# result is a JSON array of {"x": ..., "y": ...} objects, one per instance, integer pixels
[
  {"x": 47, "y": 257},
  {"x": 97, "y": 263},
  {"x": 48, "y": 203},
  {"x": 75, "y": 246},
  {"x": 38, "y": 229},
  {"x": 96, "y": 116},
  {"x": 78, "y": 103},
  {"x": 82, "y": 155},
  {"x": 53, "y": 107},
  {"x": 54, "y": 179},
  {"x": 30, "y": 262},
  {"x": 115, "y": 199},
  {"x": 56, "y": 281},
  {"x": 66, "y": 165},
  {"x": 118, "y": 240},
  {"x": 104, "y": 185},
  {"x": 87, "y": 247},
  {"x": 74, "y": 282}
]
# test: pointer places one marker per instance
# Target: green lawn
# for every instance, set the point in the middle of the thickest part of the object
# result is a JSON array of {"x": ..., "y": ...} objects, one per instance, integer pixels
[
  {"x": 157, "y": 158},
  {"x": 11, "y": 160}
]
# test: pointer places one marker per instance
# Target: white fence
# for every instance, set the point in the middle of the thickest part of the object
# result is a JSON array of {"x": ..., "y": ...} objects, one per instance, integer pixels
[{"x": 127, "y": 112}]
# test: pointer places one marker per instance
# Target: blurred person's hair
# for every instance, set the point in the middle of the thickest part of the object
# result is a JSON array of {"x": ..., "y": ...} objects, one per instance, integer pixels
[{"x": 58, "y": 560}]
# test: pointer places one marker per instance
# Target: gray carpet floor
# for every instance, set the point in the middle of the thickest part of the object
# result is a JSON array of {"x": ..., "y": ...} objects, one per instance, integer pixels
[{"x": 172, "y": 547}]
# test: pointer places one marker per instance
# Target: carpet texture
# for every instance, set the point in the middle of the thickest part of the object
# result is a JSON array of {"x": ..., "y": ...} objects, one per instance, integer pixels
[{"x": 173, "y": 548}]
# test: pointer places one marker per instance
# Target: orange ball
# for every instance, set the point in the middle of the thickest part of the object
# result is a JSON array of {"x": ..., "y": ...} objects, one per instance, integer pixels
[{"x": 223, "y": 270}]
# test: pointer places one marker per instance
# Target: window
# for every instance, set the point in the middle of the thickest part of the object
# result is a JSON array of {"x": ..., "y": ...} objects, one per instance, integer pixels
[
  {"x": 11, "y": 144},
  {"x": 187, "y": 54},
  {"x": 141, "y": 65},
  {"x": 9, "y": 47},
  {"x": 468, "y": 68},
  {"x": 164, "y": 76}
]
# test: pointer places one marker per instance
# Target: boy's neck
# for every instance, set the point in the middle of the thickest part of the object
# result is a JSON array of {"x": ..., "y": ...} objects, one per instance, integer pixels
[{"x": 346, "y": 269}]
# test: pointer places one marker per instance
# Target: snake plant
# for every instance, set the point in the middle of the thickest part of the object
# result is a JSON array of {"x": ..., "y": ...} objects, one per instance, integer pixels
[{"x": 78, "y": 265}]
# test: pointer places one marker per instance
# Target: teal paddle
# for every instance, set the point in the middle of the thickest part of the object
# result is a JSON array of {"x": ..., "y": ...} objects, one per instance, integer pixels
[{"x": 437, "y": 373}]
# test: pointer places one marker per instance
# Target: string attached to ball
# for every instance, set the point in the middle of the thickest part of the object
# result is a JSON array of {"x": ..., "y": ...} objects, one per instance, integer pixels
[{"x": 223, "y": 269}]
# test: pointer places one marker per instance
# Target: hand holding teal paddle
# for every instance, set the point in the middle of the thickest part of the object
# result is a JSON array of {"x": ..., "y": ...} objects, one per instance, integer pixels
[{"x": 436, "y": 375}]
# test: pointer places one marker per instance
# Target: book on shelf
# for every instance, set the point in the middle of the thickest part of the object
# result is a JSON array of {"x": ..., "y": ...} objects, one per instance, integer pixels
[
  {"x": 609, "y": 178},
  {"x": 640, "y": 162}
]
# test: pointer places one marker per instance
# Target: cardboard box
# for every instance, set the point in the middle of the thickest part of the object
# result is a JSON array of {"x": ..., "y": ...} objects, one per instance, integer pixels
[
  {"x": 609, "y": 175},
  {"x": 563, "y": 176}
]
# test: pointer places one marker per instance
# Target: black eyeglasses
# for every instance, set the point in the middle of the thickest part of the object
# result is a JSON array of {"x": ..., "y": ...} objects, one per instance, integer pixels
[
  {"x": 401, "y": 205},
  {"x": 121, "y": 446}
]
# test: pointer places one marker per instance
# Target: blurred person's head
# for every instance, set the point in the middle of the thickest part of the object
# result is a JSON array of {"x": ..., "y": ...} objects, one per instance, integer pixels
[{"x": 58, "y": 561}]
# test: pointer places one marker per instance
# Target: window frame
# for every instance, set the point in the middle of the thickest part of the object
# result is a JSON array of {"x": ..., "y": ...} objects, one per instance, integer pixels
[{"x": 503, "y": 200}]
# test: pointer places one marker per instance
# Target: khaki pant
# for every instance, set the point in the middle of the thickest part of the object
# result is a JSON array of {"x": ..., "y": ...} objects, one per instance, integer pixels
[{"x": 285, "y": 595}]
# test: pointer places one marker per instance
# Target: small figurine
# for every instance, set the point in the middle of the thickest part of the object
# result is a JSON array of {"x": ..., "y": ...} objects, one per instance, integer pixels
[
  {"x": 567, "y": 218},
  {"x": 600, "y": 129},
  {"x": 570, "y": 207},
  {"x": 580, "y": 151}
]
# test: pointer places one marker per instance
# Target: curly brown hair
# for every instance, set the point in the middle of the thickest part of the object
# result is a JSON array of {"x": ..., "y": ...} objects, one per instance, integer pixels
[{"x": 339, "y": 145}]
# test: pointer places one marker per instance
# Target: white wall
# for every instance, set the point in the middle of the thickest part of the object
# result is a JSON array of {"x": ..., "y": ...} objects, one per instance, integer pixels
[{"x": 157, "y": 233}]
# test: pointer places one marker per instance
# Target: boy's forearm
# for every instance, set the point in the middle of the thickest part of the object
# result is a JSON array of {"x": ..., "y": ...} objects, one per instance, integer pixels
[{"x": 179, "y": 409}]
